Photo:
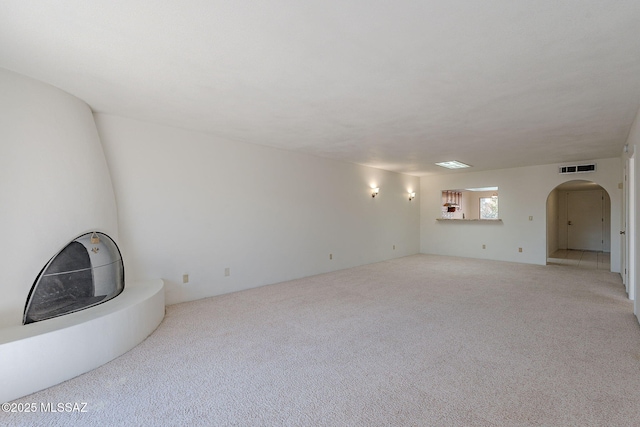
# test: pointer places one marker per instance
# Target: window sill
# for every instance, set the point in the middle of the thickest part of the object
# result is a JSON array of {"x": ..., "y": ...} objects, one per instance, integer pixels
[{"x": 469, "y": 220}]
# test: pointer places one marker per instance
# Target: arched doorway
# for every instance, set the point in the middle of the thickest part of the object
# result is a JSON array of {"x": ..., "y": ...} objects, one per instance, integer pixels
[{"x": 579, "y": 225}]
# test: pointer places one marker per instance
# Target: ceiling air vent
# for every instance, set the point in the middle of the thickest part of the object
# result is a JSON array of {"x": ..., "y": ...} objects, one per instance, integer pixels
[{"x": 577, "y": 168}]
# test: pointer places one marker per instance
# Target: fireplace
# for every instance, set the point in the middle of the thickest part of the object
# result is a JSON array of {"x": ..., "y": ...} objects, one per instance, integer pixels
[{"x": 86, "y": 272}]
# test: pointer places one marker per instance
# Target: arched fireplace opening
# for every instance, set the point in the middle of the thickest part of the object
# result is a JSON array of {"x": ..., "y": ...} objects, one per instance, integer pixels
[{"x": 86, "y": 272}]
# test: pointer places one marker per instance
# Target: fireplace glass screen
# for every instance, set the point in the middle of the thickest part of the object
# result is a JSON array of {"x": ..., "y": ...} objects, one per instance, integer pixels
[{"x": 86, "y": 272}]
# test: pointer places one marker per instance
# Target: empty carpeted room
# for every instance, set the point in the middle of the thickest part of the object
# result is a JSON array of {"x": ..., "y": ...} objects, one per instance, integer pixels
[{"x": 319, "y": 213}]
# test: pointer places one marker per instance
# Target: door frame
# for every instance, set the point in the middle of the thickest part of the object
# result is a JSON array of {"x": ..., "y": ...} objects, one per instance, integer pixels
[
  {"x": 630, "y": 236},
  {"x": 560, "y": 218}
]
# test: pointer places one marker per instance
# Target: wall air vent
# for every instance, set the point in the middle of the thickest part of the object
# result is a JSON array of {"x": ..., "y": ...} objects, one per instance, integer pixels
[{"x": 577, "y": 169}]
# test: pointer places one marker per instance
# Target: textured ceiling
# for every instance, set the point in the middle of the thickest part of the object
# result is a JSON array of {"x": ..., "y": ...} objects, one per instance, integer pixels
[{"x": 395, "y": 85}]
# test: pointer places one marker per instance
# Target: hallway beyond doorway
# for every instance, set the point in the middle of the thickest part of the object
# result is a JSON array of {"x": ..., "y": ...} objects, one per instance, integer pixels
[{"x": 582, "y": 259}]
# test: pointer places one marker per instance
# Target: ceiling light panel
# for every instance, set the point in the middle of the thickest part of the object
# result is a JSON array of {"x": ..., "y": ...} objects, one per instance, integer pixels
[{"x": 453, "y": 164}]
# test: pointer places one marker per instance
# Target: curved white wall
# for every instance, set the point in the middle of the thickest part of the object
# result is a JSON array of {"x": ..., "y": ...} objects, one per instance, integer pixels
[
  {"x": 54, "y": 183},
  {"x": 78, "y": 342}
]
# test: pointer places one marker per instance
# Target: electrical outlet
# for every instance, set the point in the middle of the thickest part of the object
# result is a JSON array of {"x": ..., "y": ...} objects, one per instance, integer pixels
[
  {"x": 227, "y": 271},
  {"x": 530, "y": 217},
  {"x": 484, "y": 246},
  {"x": 519, "y": 249},
  {"x": 185, "y": 278},
  {"x": 330, "y": 256}
]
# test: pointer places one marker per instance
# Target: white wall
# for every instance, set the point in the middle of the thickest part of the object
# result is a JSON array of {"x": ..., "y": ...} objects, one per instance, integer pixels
[
  {"x": 523, "y": 193},
  {"x": 553, "y": 211},
  {"x": 54, "y": 183},
  {"x": 189, "y": 202}
]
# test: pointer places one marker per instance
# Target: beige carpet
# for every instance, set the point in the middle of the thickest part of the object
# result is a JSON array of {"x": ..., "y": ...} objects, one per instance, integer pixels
[{"x": 417, "y": 341}]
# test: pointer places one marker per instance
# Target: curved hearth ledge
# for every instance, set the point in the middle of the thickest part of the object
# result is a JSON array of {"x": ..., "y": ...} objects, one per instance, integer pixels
[{"x": 42, "y": 354}]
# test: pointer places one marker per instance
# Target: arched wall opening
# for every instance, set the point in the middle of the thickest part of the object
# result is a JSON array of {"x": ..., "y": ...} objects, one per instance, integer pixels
[{"x": 579, "y": 225}]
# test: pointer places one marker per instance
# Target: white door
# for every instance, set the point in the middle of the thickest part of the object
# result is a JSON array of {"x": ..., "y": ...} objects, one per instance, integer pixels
[{"x": 585, "y": 220}]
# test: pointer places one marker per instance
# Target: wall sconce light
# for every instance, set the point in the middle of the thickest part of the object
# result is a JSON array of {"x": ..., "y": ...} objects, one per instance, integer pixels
[
  {"x": 375, "y": 191},
  {"x": 412, "y": 196}
]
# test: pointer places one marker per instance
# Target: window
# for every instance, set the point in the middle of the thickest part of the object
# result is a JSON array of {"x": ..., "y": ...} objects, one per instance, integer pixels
[
  {"x": 470, "y": 204},
  {"x": 489, "y": 207}
]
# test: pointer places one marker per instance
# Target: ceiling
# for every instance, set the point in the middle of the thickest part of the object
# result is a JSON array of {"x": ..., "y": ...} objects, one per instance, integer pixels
[{"x": 394, "y": 85}]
